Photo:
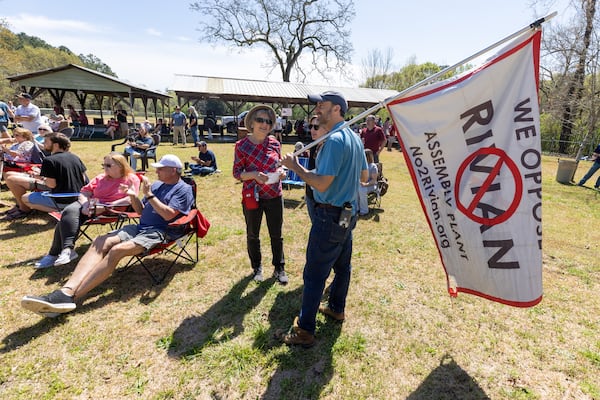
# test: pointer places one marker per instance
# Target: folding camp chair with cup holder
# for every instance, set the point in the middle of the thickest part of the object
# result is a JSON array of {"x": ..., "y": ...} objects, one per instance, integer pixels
[{"x": 114, "y": 216}]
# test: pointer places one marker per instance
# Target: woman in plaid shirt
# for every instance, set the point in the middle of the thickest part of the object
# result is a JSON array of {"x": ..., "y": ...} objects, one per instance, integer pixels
[{"x": 256, "y": 164}]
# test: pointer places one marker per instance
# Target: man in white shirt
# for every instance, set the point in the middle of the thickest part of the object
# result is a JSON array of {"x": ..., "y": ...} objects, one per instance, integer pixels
[
  {"x": 28, "y": 114},
  {"x": 279, "y": 129}
]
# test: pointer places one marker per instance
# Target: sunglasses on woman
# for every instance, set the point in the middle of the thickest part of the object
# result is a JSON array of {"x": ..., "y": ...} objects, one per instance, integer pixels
[
  {"x": 261, "y": 120},
  {"x": 315, "y": 127}
]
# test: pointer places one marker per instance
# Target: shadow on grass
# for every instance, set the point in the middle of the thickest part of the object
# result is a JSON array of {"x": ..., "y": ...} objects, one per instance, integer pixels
[
  {"x": 226, "y": 315},
  {"x": 447, "y": 382},
  {"x": 301, "y": 373},
  {"x": 373, "y": 215},
  {"x": 22, "y": 228},
  {"x": 122, "y": 285},
  {"x": 293, "y": 203},
  {"x": 126, "y": 283},
  {"x": 21, "y": 337}
]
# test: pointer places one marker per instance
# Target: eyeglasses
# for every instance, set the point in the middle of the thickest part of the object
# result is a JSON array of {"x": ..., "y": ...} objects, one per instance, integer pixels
[
  {"x": 315, "y": 127},
  {"x": 107, "y": 165},
  {"x": 43, "y": 130},
  {"x": 261, "y": 120}
]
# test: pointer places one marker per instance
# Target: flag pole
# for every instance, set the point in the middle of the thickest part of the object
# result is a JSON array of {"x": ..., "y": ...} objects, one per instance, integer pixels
[{"x": 534, "y": 25}]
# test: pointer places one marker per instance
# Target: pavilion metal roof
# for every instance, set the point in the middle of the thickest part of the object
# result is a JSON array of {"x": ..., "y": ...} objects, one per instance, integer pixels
[
  {"x": 194, "y": 87},
  {"x": 71, "y": 77}
]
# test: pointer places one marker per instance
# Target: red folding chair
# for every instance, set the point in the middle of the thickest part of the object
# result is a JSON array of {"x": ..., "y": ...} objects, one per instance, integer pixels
[
  {"x": 114, "y": 216},
  {"x": 194, "y": 226}
]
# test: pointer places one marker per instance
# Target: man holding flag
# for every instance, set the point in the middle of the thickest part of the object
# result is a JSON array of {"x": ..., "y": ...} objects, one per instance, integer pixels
[{"x": 340, "y": 165}]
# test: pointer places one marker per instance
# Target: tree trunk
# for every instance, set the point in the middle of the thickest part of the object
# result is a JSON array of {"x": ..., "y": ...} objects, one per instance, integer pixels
[{"x": 575, "y": 89}]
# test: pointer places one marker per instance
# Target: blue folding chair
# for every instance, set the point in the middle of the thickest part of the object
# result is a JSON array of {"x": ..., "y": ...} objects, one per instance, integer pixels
[{"x": 293, "y": 180}]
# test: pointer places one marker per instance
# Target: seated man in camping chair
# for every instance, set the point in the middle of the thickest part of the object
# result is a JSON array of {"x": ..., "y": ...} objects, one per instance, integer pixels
[{"x": 164, "y": 201}]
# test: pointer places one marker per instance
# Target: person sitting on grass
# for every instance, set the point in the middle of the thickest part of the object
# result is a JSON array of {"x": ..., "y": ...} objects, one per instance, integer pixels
[
  {"x": 107, "y": 189},
  {"x": 164, "y": 201},
  {"x": 206, "y": 162}
]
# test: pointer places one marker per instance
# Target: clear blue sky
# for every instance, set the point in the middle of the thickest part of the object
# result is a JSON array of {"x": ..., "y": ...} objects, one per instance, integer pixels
[{"x": 147, "y": 42}]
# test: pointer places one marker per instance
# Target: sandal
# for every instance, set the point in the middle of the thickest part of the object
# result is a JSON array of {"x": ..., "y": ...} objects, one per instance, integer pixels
[{"x": 16, "y": 215}]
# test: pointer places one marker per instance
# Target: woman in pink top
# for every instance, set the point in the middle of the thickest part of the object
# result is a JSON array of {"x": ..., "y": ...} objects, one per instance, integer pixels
[{"x": 105, "y": 190}]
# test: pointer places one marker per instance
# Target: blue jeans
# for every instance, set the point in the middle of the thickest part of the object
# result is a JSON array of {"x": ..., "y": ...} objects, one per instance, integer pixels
[
  {"x": 273, "y": 210},
  {"x": 329, "y": 247},
  {"x": 194, "y": 133},
  {"x": 310, "y": 205},
  {"x": 132, "y": 160},
  {"x": 202, "y": 171},
  {"x": 595, "y": 167}
]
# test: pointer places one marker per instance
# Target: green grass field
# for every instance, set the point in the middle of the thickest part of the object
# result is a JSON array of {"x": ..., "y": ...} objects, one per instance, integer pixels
[{"x": 207, "y": 332}]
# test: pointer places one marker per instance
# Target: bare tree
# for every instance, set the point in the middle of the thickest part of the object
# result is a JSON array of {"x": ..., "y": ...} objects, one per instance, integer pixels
[
  {"x": 570, "y": 53},
  {"x": 287, "y": 29},
  {"x": 377, "y": 65}
]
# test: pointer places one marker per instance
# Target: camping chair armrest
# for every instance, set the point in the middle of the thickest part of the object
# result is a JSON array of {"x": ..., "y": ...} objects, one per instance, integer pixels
[
  {"x": 184, "y": 219},
  {"x": 121, "y": 210},
  {"x": 114, "y": 146},
  {"x": 125, "y": 213},
  {"x": 27, "y": 166},
  {"x": 149, "y": 149},
  {"x": 60, "y": 195},
  {"x": 55, "y": 196}
]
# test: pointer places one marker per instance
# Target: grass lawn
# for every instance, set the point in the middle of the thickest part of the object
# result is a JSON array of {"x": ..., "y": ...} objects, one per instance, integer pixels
[{"x": 207, "y": 332}]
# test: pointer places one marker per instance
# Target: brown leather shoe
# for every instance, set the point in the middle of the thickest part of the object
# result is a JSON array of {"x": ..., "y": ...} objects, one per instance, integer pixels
[
  {"x": 296, "y": 336},
  {"x": 338, "y": 316}
]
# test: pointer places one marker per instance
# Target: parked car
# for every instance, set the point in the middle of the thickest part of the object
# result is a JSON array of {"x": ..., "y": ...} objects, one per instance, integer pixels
[{"x": 229, "y": 121}]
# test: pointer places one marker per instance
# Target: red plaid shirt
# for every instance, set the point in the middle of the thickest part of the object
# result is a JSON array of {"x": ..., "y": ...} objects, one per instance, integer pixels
[{"x": 263, "y": 157}]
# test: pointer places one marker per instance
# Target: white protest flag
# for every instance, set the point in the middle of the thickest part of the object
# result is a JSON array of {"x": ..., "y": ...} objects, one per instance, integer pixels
[{"x": 472, "y": 145}]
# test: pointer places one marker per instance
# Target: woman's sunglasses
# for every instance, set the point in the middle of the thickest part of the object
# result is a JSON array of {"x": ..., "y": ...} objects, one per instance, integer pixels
[{"x": 261, "y": 120}]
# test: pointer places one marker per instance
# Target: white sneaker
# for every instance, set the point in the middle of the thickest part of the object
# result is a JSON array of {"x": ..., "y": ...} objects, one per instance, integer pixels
[
  {"x": 45, "y": 262},
  {"x": 281, "y": 277},
  {"x": 65, "y": 257}
]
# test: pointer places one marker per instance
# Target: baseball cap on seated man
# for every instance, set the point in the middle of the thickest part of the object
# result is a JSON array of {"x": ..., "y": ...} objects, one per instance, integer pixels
[
  {"x": 332, "y": 96},
  {"x": 24, "y": 96},
  {"x": 168, "y": 160}
]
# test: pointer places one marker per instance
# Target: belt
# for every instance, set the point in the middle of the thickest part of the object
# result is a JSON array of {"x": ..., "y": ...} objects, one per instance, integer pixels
[{"x": 324, "y": 205}]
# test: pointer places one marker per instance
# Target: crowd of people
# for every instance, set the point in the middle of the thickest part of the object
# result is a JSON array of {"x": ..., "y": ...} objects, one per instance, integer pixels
[{"x": 340, "y": 172}]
